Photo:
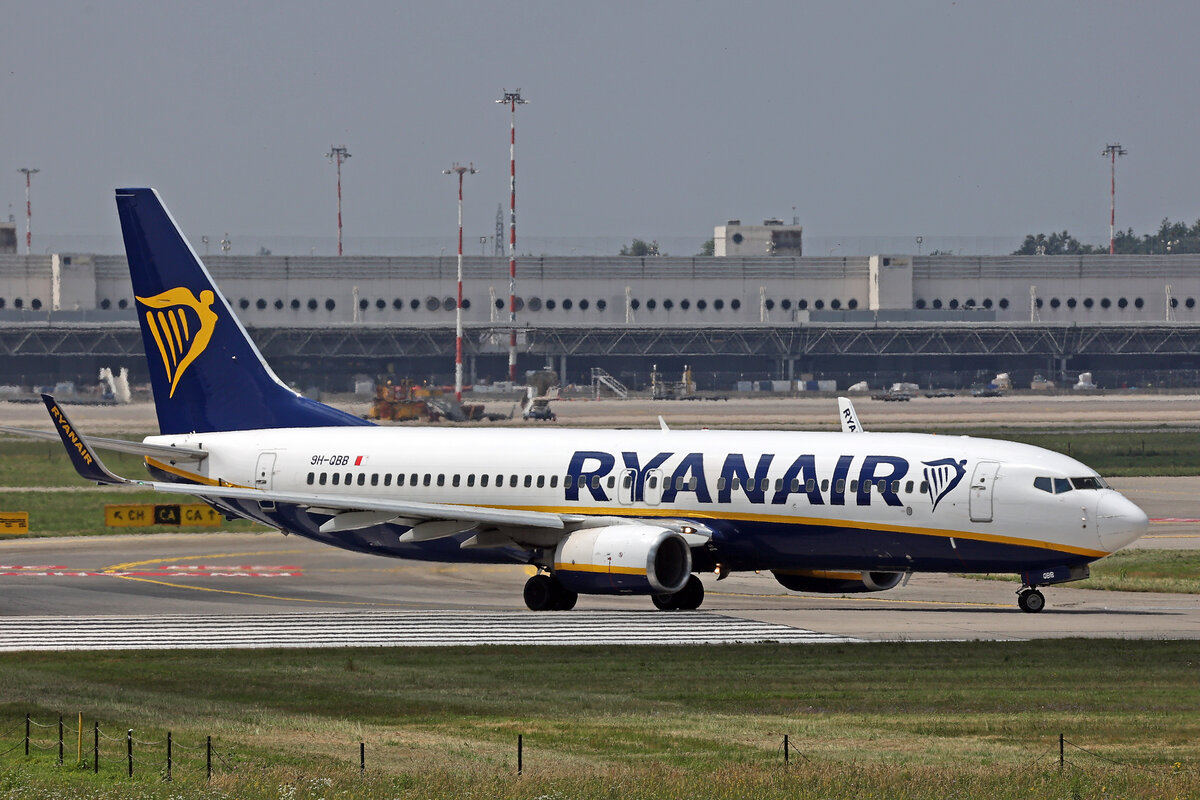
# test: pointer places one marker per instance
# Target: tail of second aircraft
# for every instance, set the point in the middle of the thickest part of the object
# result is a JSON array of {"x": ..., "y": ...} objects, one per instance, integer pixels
[{"x": 206, "y": 372}]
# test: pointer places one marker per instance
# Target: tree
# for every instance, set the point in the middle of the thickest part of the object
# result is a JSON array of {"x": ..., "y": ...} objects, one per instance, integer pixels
[
  {"x": 708, "y": 247},
  {"x": 1056, "y": 244},
  {"x": 641, "y": 248},
  {"x": 1171, "y": 237}
]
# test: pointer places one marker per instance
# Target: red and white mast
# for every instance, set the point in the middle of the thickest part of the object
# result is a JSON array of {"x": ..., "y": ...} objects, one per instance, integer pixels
[
  {"x": 512, "y": 99},
  {"x": 458, "y": 327},
  {"x": 339, "y": 154},
  {"x": 1112, "y": 151}
]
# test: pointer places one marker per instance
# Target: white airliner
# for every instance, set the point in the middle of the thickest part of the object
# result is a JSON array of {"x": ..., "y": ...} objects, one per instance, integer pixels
[{"x": 597, "y": 512}]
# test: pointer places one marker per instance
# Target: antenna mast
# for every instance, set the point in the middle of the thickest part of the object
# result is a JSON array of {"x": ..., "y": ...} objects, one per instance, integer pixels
[
  {"x": 1112, "y": 151},
  {"x": 459, "y": 170},
  {"x": 338, "y": 155},
  {"x": 28, "y": 209},
  {"x": 512, "y": 100}
]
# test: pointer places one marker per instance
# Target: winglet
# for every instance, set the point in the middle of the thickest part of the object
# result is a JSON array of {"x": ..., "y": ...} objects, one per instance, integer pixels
[
  {"x": 662, "y": 423},
  {"x": 85, "y": 460},
  {"x": 849, "y": 417}
]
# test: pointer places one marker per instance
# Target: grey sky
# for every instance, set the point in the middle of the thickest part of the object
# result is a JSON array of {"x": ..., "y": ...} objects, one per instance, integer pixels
[{"x": 654, "y": 120}]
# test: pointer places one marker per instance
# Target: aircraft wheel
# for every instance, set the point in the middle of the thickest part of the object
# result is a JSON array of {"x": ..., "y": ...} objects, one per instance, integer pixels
[
  {"x": 1031, "y": 601},
  {"x": 691, "y": 595},
  {"x": 540, "y": 593},
  {"x": 564, "y": 598},
  {"x": 664, "y": 602},
  {"x": 688, "y": 598}
]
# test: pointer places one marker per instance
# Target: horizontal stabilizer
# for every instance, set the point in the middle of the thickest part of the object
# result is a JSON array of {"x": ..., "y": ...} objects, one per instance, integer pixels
[{"x": 118, "y": 445}]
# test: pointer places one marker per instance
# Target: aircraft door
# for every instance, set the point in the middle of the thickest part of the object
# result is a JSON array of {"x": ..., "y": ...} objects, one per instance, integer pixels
[
  {"x": 981, "y": 490},
  {"x": 625, "y": 488},
  {"x": 264, "y": 472},
  {"x": 652, "y": 487},
  {"x": 264, "y": 478}
]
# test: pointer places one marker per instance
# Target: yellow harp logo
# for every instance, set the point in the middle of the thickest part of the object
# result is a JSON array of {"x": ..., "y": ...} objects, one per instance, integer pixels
[{"x": 181, "y": 326}]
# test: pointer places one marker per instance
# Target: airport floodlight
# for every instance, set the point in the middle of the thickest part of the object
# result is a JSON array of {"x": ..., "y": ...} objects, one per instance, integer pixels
[
  {"x": 512, "y": 100},
  {"x": 338, "y": 155},
  {"x": 29, "y": 173},
  {"x": 459, "y": 170},
  {"x": 1111, "y": 152}
]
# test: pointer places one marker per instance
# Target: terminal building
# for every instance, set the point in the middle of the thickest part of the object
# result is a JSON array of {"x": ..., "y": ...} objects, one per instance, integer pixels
[{"x": 943, "y": 320}]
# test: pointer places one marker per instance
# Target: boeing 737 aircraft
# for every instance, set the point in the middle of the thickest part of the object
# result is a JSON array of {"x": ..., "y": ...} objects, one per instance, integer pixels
[{"x": 597, "y": 512}]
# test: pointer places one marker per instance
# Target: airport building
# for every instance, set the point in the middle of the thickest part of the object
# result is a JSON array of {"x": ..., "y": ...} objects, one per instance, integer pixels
[{"x": 939, "y": 319}]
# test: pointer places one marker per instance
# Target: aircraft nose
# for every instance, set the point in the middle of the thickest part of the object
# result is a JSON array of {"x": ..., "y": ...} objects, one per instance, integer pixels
[{"x": 1119, "y": 521}]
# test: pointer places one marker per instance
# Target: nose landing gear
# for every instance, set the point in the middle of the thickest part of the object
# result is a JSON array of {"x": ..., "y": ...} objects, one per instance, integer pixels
[{"x": 1030, "y": 599}]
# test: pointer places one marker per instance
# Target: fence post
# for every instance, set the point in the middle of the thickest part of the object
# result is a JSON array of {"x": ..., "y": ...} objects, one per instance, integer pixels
[
  {"x": 60, "y": 740},
  {"x": 168, "y": 755},
  {"x": 129, "y": 749},
  {"x": 79, "y": 741},
  {"x": 785, "y": 749},
  {"x": 96, "y": 748},
  {"x": 362, "y": 757},
  {"x": 27, "y": 734},
  {"x": 208, "y": 758},
  {"x": 520, "y": 754},
  {"x": 1061, "y": 757}
]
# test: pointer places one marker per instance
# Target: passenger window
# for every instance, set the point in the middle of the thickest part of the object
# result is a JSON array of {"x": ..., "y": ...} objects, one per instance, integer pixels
[
  {"x": 362, "y": 479},
  {"x": 428, "y": 479},
  {"x": 853, "y": 486},
  {"x": 349, "y": 478},
  {"x": 795, "y": 487},
  {"x": 612, "y": 481},
  {"x": 825, "y": 485},
  {"x": 1044, "y": 484},
  {"x": 840, "y": 486},
  {"x": 895, "y": 487},
  {"x": 908, "y": 487},
  {"x": 679, "y": 483},
  {"x": 924, "y": 487},
  {"x": 779, "y": 484},
  {"x": 512, "y": 481},
  {"x": 554, "y": 481},
  {"x": 374, "y": 478},
  {"x": 652, "y": 481},
  {"x": 387, "y": 479},
  {"x": 1061, "y": 485},
  {"x": 471, "y": 479},
  {"x": 627, "y": 481},
  {"x": 693, "y": 483},
  {"x": 735, "y": 483},
  {"x": 483, "y": 479},
  {"x": 337, "y": 478},
  {"x": 750, "y": 484},
  {"x": 528, "y": 481},
  {"x": 311, "y": 478},
  {"x": 322, "y": 479},
  {"x": 595, "y": 481},
  {"x": 721, "y": 484},
  {"x": 454, "y": 479},
  {"x": 541, "y": 481},
  {"x": 568, "y": 482},
  {"x": 441, "y": 479},
  {"x": 810, "y": 484},
  {"x": 412, "y": 480}
]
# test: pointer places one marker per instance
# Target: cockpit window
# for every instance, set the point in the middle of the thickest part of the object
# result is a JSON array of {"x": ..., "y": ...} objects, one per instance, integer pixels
[{"x": 1062, "y": 485}]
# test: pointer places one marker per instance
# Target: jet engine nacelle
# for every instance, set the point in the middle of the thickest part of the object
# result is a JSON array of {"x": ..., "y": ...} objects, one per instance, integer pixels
[
  {"x": 824, "y": 581},
  {"x": 623, "y": 559}
]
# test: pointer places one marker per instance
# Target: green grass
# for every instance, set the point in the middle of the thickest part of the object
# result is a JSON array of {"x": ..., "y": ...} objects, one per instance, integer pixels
[{"x": 884, "y": 720}]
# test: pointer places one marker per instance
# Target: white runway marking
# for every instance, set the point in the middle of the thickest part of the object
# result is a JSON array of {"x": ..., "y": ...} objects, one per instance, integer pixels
[{"x": 393, "y": 629}]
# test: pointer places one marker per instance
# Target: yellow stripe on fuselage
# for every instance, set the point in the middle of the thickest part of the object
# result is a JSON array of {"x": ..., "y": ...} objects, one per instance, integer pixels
[
  {"x": 191, "y": 477},
  {"x": 603, "y": 569}
]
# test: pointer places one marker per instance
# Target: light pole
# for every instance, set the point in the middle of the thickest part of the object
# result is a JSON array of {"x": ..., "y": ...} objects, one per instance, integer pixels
[
  {"x": 28, "y": 209},
  {"x": 459, "y": 170},
  {"x": 338, "y": 155},
  {"x": 512, "y": 100},
  {"x": 1112, "y": 151}
]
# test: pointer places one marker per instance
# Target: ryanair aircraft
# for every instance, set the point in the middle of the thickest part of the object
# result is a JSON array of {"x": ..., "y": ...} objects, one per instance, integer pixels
[{"x": 596, "y": 512}]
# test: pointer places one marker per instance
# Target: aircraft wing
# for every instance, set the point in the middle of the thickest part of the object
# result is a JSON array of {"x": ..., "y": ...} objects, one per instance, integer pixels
[{"x": 118, "y": 445}]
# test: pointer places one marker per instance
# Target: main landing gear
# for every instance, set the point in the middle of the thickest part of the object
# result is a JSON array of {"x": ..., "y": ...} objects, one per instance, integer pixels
[
  {"x": 1030, "y": 599},
  {"x": 545, "y": 593},
  {"x": 688, "y": 598}
]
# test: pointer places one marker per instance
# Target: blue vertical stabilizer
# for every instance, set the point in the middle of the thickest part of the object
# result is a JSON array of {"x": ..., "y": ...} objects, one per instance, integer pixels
[{"x": 206, "y": 372}]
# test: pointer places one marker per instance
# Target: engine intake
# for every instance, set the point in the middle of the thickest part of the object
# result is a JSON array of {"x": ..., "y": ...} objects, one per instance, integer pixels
[
  {"x": 823, "y": 581},
  {"x": 623, "y": 559}
]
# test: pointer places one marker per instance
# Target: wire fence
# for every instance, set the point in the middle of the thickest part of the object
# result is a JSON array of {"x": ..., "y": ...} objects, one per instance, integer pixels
[{"x": 129, "y": 753}]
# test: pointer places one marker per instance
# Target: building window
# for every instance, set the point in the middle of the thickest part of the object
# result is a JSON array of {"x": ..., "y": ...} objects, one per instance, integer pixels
[
  {"x": 312, "y": 304},
  {"x": 567, "y": 304},
  {"x": 701, "y": 304},
  {"x": 535, "y": 303},
  {"x": 243, "y": 304},
  {"x": 802, "y": 305},
  {"x": 260, "y": 304},
  {"x": 415, "y": 304},
  {"x": 769, "y": 303},
  {"x": 105, "y": 303},
  {"x": 1139, "y": 302},
  {"x": 635, "y": 304},
  {"x": 718, "y": 304},
  {"x": 295, "y": 304},
  {"x": 364, "y": 304},
  {"x": 852, "y": 304},
  {"x": 122, "y": 303},
  {"x": 954, "y": 303},
  {"x": 786, "y": 304},
  {"x": 499, "y": 303},
  {"x": 1105, "y": 303},
  {"x": 651, "y": 304},
  {"x": 1088, "y": 302},
  {"x": 920, "y": 302},
  {"x": 1055, "y": 302},
  {"x": 1072, "y": 302},
  {"x": 381, "y": 304},
  {"x": 735, "y": 304},
  {"x": 278, "y": 304},
  {"x": 970, "y": 303},
  {"x": 398, "y": 304},
  {"x": 601, "y": 304},
  {"x": 685, "y": 304},
  {"x": 819, "y": 304},
  {"x": 1004, "y": 302},
  {"x": 987, "y": 302},
  {"x": 329, "y": 304},
  {"x": 835, "y": 304},
  {"x": 449, "y": 303},
  {"x": 937, "y": 303},
  {"x": 1190, "y": 302},
  {"x": 1122, "y": 303},
  {"x": 583, "y": 305},
  {"x": 668, "y": 304},
  {"x": 550, "y": 305}
]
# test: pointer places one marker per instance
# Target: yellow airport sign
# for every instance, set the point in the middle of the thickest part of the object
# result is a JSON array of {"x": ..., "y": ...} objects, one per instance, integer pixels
[
  {"x": 129, "y": 515},
  {"x": 14, "y": 523}
]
